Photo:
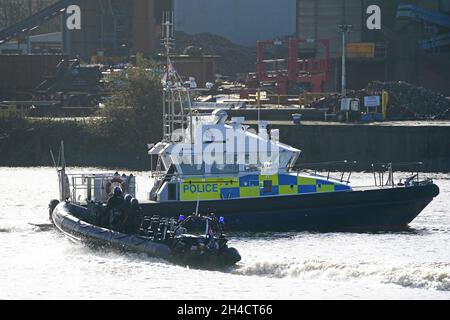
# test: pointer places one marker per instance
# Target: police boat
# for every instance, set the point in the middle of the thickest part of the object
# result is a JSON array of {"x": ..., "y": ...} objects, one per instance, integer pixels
[
  {"x": 98, "y": 224},
  {"x": 211, "y": 163},
  {"x": 264, "y": 194},
  {"x": 208, "y": 163},
  {"x": 268, "y": 192}
]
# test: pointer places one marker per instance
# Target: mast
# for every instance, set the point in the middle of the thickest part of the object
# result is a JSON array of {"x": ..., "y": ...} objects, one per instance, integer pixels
[
  {"x": 173, "y": 117},
  {"x": 167, "y": 41}
]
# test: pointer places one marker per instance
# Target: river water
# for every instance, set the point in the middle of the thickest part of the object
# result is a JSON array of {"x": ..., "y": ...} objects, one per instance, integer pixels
[{"x": 42, "y": 264}]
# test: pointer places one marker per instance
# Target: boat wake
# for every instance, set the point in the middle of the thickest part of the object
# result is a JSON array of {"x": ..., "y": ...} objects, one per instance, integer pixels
[
  {"x": 42, "y": 227},
  {"x": 9, "y": 227},
  {"x": 430, "y": 276},
  {"x": 6, "y": 230}
]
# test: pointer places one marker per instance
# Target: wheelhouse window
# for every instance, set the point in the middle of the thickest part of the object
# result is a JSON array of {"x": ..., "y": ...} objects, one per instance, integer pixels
[
  {"x": 193, "y": 169},
  {"x": 172, "y": 191},
  {"x": 224, "y": 168},
  {"x": 191, "y": 165}
]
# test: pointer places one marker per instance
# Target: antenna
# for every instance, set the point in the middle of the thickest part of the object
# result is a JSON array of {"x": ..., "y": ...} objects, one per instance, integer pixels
[
  {"x": 168, "y": 39},
  {"x": 173, "y": 117}
]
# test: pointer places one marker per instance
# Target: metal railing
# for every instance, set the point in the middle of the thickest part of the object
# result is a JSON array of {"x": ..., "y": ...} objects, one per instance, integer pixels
[
  {"x": 86, "y": 185},
  {"x": 345, "y": 172},
  {"x": 384, "y": 174},
  {"x": 381, "y": 169},
  {"x": 303, "y": 99}
]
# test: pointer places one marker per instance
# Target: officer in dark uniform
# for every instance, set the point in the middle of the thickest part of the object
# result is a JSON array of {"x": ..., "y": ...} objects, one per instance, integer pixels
[
  {"x": 114, "y": 208},
  {"x": 135, "y": 217},
  {"x": 124, "y": 216},
  {"x": 116, "y": 200}
]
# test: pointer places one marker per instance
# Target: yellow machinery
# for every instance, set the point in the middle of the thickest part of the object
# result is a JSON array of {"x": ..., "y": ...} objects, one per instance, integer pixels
[
  {"x": 384, "y": 104},
  {"x": 9, "y": 109}
]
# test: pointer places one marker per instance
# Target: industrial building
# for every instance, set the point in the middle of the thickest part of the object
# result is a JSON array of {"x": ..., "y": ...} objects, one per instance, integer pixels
[
  {"x": 41, "y": 43},
  {"x": 106, "y": 27},
  {"x": 320, "y": 19},
  {"x": 413, "y": 43},
  {"x": 116, "y": 28}
]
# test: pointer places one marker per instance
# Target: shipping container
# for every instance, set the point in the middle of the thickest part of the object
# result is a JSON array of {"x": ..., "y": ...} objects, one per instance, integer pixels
[
  {"x": 23, "y": 73},
  {"x": 361, "y": 50},
  {"x": 202, "y": 68}
]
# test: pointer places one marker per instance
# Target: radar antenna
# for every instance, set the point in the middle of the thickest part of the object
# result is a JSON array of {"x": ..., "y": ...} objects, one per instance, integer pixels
[{"x": 174, "y": 93}]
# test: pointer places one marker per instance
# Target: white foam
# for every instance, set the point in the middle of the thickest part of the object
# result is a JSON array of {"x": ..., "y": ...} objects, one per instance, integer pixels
[{"x": 434, "y": 276}]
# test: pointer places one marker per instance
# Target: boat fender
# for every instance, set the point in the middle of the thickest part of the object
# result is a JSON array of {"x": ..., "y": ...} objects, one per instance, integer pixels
[
  {"x": 51, "y": 207},
  {"x": 109, "y": 185}
]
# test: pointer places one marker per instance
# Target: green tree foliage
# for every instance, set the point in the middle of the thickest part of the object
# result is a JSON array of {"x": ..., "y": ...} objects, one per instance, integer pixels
[{"x": 132, "y": 117}]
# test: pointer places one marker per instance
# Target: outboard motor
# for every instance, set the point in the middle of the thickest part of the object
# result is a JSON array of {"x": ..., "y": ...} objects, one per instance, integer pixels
[{"x": 51, "y": 207}]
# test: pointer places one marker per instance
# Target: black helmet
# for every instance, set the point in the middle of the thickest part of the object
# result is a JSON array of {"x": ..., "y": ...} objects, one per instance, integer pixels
[
  {"x": 117, "y": 191},
  {"x": 134, "y": 203},
  {"x": 128, "y": 198}
]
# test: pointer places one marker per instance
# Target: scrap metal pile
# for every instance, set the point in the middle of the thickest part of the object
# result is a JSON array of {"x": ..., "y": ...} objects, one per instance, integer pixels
[
  {"x": 406, "y": 101},
  {"x": 233, "y": 58}
]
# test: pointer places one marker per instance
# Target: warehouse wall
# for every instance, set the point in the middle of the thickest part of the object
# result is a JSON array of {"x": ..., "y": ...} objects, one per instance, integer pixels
[
  {"x": 444, "y": 6},
  {"x": 144, "y": 25},
  {"x": 84, "y": 42},
  {"x": 369, "y": 144},
  {"x": 241, "y": 21},
  {"x": 320, "y": 19},
  {"x": 428, "y": 4},
  {"x": 135, "y": 27}
]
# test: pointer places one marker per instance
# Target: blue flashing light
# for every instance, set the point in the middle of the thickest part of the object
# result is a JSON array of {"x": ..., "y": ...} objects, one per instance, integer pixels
[
  {"x": 181, "y": 218},
  {"x": 222, "y": 220}
]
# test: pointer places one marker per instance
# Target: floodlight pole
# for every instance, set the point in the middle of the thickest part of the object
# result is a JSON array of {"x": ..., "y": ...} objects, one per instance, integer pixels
[{"x": 344, "y": 29}]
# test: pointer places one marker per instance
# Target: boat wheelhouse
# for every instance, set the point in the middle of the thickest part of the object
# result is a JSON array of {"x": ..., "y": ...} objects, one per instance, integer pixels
[{"x": 231, "y": 161}]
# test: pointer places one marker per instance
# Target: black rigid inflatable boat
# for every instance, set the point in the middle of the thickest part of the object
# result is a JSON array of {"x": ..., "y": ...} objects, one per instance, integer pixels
[{"x": 168, "y": 239}]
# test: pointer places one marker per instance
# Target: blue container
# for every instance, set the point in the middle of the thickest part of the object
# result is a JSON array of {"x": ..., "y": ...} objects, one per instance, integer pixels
[
  {"x": 367, "y": 117},
  {"x": 378, "y": 117},
  {"x": 297, "y": 118}
]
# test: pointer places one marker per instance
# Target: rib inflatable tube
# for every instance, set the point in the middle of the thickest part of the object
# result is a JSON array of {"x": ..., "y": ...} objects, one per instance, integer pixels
[{"x": 69, "y": 217}]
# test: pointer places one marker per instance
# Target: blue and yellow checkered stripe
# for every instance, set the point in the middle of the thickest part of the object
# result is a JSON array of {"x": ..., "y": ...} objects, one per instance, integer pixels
[{"x": 253, "y": 186}]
